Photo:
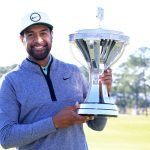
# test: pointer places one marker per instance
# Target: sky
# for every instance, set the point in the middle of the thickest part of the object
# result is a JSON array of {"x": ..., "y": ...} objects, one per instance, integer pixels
[{"x": 132, "y": 17}]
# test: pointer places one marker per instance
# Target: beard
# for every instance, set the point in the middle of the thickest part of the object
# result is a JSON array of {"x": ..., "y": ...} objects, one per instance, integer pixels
[{"x": 39, "y": 54}]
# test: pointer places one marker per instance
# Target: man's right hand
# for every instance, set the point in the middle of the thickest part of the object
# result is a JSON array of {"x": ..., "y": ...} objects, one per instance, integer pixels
[{"x": 68, "y": 117}]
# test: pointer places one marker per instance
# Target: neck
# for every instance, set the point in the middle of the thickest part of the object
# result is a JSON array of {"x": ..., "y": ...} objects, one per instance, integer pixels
[{"x": 43, "y": 62}]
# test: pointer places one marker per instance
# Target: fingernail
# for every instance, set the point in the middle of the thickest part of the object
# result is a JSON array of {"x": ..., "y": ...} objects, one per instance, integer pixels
[
  {"x": 87, "y": 117},
  {"x": 92, "y": 118}
]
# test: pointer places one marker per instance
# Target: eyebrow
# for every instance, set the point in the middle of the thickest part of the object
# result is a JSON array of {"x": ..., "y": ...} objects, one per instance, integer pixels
[
  {"x": 45, "y": 30},
  {"x": 30, "y": 31}
]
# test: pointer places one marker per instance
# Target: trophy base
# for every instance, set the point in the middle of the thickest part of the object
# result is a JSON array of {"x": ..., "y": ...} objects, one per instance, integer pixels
[{"x": 98, "y": 109}]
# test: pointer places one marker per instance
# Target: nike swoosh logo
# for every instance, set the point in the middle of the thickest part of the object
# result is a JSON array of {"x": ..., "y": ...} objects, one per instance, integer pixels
[
  {"x": 66, "y": 78},
  {"x": 33, "y": 17}
]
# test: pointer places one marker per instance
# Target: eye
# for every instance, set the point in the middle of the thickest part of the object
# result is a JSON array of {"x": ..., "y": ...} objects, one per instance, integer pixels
[
  {"x": 30, "y": 35},
  {"x": 44, "y": 33}
]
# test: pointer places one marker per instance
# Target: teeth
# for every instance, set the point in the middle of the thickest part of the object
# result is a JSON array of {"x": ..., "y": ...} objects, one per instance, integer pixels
[{"x": 38, "y": 47}]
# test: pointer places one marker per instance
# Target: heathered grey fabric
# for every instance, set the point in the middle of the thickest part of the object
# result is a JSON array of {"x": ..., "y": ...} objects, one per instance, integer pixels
[{"x": 26, "y": 108}]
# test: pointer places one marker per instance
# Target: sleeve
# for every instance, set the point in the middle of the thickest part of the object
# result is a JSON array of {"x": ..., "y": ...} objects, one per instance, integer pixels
[
  {"x": 98, "y": 123},
  {"x": 13, "y": 134}
]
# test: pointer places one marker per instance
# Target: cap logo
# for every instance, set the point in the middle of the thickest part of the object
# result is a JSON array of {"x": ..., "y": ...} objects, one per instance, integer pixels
[{"x": 35, "y": 17}]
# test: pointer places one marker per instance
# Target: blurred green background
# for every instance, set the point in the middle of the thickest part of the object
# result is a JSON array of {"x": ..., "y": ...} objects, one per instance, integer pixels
[{"x": 126, "y": 132}]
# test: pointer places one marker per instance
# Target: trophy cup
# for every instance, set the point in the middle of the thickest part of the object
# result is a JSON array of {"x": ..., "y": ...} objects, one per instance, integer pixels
[{"x": 100, "y": 49}]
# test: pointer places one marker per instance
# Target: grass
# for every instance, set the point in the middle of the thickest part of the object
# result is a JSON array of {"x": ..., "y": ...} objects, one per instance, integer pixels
[
  {"x": 121, "y": 133},
  {"x": 125, "y": 132}
]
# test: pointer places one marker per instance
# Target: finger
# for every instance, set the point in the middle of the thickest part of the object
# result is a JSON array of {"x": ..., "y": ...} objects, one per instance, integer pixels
[
  {"x": 87, "y": 118},
  {"x": 90, "y": 118},
  {"x": 108, "y": 70},
  {"x": 71, "y": 108},
  {"x": 106, "y": 80},
  {"x": 106, "y": 75}
]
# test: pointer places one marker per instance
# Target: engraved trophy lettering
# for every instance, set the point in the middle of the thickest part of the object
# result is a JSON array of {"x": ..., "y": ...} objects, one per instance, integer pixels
[{"x": 100, "y": 48}]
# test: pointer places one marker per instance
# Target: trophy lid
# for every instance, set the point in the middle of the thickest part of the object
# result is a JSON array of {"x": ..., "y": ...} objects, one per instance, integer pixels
[
  {"x": 98, "y": 33},
  {"x": 99, "y": 45}
]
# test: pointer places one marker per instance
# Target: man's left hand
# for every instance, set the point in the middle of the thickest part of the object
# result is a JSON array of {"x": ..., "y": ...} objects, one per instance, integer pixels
[{"x": 106, "y": 78}]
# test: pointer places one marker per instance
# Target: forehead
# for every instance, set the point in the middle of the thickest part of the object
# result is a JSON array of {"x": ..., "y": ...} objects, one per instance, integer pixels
[{"x": 37, "y": 28}]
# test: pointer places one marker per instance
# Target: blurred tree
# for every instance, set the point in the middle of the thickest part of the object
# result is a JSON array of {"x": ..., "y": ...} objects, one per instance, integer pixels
[
  {"x": 4, "y": 70},
  {"x": 130, "y": 82}
]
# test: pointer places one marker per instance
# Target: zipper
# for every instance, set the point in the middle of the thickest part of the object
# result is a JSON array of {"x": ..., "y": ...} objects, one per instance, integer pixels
[{"x": 49, "y": 82}]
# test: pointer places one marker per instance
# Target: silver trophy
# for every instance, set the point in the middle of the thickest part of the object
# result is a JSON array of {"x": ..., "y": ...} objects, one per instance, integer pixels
[{"x": 100, "y": 49}]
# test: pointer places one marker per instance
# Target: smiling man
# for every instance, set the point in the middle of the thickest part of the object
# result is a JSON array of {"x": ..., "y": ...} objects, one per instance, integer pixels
[
  {"x": 37, "y": 40},
  {"x": 38, "y": 98}
]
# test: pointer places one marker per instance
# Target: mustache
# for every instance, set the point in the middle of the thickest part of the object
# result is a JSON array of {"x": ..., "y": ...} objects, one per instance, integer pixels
[{"x": 38, "y": 44}]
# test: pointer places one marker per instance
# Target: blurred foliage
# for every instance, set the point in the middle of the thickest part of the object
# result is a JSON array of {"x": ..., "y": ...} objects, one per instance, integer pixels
[
  {"x": 131, "y": 86},
  {"x": 4, "y": 70}
]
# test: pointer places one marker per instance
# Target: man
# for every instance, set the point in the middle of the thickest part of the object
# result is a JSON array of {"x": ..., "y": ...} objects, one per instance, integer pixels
[{"x": 38, "y": 98}]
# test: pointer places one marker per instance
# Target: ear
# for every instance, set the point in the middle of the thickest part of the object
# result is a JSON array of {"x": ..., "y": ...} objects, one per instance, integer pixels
[
  {"x": 21, "y": 38},
  {"x": 51, "y": 34}
]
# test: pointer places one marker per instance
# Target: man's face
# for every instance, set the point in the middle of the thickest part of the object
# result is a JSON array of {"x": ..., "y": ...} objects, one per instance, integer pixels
[{"x": 37, "y": 40}]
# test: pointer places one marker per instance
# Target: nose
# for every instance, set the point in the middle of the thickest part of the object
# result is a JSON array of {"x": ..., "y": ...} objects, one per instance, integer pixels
[{"x": 38, "y": 39}]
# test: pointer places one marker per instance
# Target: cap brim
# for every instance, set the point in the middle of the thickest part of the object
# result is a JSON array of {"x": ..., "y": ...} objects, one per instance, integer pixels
[{"x": 38, "y": 23}]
